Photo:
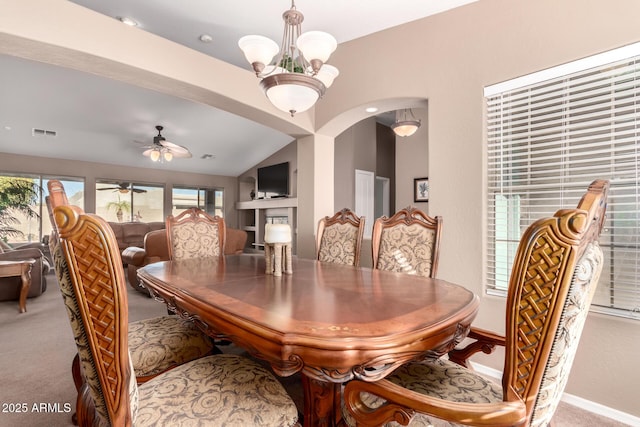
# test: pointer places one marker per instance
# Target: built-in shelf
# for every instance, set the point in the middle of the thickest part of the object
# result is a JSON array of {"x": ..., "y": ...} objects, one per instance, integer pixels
[
  {"x": 254, "y": 214},
  {"x": 281, "y": 202}
]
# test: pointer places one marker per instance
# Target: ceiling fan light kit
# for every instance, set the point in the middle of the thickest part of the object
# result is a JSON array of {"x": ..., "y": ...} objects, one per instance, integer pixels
[
  {"x": 299, "y": 76},
  {"x": 163, "y": 150}
]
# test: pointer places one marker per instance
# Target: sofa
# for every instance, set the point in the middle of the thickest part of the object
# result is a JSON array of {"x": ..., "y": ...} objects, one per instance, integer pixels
[
  {"x": 155, "y": 248},
  {"x": 132, "y": 233},
  {"x": 10, "y": 286}
]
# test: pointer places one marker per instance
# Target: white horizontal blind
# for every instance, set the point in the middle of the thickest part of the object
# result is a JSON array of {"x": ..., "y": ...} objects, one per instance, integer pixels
[{"x": 547, "y": 141}]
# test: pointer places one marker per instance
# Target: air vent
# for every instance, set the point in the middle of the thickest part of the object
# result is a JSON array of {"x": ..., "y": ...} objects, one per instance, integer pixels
[
  {"x": 43, "y": 132},
  {"x": 208, "y": 156}
]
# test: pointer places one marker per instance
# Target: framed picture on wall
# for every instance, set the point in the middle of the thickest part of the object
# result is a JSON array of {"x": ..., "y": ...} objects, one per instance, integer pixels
[{"x": 421, "y": 189}]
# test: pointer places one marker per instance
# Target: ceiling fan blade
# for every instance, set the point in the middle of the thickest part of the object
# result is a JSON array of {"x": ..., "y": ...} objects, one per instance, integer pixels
[
  {"x": 147, "y": 152},
  {"x": 139, "y": 190},
  {"x": 108, "y": 188},
  {"x": 181, "y": 154}
]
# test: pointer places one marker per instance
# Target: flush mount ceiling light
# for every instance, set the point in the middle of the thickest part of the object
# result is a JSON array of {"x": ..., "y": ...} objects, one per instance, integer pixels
[
  {"x": 299, "y": 76},
  {"x": 403, "y": 126}
]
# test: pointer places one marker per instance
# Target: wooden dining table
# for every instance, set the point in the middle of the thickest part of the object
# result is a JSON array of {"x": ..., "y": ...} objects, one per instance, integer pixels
[{"x": 331, "y": 322}]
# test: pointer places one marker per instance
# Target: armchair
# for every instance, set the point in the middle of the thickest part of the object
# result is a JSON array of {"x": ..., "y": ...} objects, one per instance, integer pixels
[
  {"x": 554, "y": 276},
  {"x": 10, "y": 286},
  {"x": 156, "y": 248}
]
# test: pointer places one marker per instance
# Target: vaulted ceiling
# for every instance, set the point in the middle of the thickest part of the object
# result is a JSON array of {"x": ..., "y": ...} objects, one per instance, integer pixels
[{"x": 108, "y": 121}]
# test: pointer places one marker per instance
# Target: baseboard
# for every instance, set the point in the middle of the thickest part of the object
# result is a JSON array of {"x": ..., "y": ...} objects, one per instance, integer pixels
[{"x": 579, "y": 402}]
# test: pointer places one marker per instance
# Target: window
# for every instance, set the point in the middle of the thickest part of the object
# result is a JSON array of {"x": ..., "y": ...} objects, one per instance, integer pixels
[
  {"x": 33, "y": 229},
  {"x": 209, "y": 200},
  {"x": 548, "y": 136},
  {"x": 127, "y": 201}
]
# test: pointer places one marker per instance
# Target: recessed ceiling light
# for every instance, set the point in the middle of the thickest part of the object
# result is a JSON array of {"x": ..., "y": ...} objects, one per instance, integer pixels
[
  {"x": 206, "y": 38},
  {"x": 128, "y": 21},
  {"x": 371, "y": 109}
]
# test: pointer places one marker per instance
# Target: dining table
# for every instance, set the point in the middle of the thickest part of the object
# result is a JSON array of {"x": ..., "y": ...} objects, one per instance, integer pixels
[{"x": 330, "y": 322}]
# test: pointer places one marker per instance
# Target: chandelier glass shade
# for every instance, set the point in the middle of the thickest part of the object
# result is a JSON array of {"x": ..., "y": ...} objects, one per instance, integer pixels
[
  {"x": 404, "y": 126},
  {"x": 298, "y": 77}
]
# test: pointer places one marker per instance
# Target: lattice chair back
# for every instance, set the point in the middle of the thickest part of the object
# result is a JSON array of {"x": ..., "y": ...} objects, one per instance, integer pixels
[
  {"x": 408, "y": 242},
  {"x": 339, "y": 238},
  {"x": 94, "y": 292},
  {"x": 554, "y": 276},
  {"x": 195, "y": 234}
]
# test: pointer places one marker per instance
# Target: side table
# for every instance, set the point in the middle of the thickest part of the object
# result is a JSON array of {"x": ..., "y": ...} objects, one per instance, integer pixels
[{"x": 23, "y": 269}]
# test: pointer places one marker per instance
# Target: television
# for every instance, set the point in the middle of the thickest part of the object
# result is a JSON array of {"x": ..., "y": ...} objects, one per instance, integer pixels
[{"x": 273, "y": 181}]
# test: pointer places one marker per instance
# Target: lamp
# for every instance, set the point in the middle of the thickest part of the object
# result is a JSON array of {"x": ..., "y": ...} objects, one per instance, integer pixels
[
  {"x": 299, "y": 76},
  {"x": 405, "y": 127}
]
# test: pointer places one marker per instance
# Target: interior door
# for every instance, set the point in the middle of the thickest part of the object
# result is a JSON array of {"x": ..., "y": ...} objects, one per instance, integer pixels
[{"x": 365, "y": 196}]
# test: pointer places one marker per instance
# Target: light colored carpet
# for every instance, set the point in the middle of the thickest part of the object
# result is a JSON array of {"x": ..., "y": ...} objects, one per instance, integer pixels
[{"x": 36, "y": 350}]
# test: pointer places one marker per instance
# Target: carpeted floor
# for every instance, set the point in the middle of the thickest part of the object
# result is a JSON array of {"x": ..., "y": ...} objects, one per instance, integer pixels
[{"x": 36, "y": 350}]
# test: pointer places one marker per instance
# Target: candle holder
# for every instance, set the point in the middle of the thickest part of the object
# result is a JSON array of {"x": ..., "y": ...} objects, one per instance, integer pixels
[{"x": 277, "y": 249}]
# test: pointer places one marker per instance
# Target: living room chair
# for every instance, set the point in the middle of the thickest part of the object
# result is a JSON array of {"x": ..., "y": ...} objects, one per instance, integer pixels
[
  {"x": 339, "y": 238},
  {"x": 408, "y": 242},
  {"x": 213, "y": 390},
  {"x": 554, "y": 276},
  {"x": 195, "y": 234},
  {"x": 10, "y": 286}
]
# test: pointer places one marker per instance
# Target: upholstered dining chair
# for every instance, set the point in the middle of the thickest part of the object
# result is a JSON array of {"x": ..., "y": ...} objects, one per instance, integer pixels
[
  {"x": 554, "y": 276},
  {"x": 156, "y": 344},
  {"x": 407, "y": 242},
  {"x": 195, "y": 234},
  {"x": 339, "y": 238},
  {"x": 213, "y": 390}
]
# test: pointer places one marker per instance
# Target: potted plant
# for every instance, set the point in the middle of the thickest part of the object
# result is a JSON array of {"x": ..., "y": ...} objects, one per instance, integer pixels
[
  {"x": 17, "y": 195},
  {"x": 119, "y": 206}
]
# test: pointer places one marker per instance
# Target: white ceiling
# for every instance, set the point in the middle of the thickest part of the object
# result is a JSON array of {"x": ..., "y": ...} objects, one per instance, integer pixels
[{"x": 98, "y": 119}]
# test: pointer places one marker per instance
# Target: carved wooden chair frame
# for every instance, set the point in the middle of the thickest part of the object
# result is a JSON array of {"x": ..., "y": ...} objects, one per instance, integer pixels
[
  {"x": 194, "y": 215},
  {"x": 408, "y": 216},
  {"x": 344, "y": 216}
]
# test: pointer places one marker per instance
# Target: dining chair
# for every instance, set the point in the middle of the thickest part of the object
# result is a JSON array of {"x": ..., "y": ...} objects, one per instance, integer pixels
[
  {"x": 339, "y": 238},
  {"x": 216, "y": 390},
  {"x": 407, "y": 242},
  {"x": 156, "y": 344},
  {"x": 195, "y": 234},
  {"x": 554, "y": 276}
]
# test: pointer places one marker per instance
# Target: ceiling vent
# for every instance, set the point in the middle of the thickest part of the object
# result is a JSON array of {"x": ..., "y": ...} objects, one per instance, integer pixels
[{"x": 43, "y": 132}]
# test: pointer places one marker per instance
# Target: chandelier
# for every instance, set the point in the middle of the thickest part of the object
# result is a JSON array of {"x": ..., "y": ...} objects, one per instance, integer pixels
[
  {"x": 403, "y": 126},
  {"x": 299, "y": 76}
]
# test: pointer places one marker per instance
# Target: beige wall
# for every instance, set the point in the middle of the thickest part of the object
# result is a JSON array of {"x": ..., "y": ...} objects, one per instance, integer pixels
[
  {"x": 448, "y": 59},
  {"x": 92, "y": 171}
]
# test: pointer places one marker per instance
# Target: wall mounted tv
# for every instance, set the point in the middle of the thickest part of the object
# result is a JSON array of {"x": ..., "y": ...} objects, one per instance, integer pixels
[{"x": 273, "y": 181}]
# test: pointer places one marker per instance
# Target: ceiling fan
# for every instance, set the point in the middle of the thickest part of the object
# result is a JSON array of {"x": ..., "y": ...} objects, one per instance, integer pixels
[
  {"x": 124, "y": 188},
  {"x": 164, "y": 151}
]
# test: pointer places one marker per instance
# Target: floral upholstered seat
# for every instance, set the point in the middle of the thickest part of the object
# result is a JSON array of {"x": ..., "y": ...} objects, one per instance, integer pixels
[
  {"x": 554, "y": 277},
  {"x": 195, "y": 234},
  {"x": 339, "y": 238},
  {"x": 408, "y": 242},
  {"x": 220, "y": 390}
]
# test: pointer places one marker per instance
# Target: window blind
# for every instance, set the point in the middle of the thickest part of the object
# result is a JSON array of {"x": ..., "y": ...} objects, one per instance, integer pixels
[{"x": 546, "y": 142}]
